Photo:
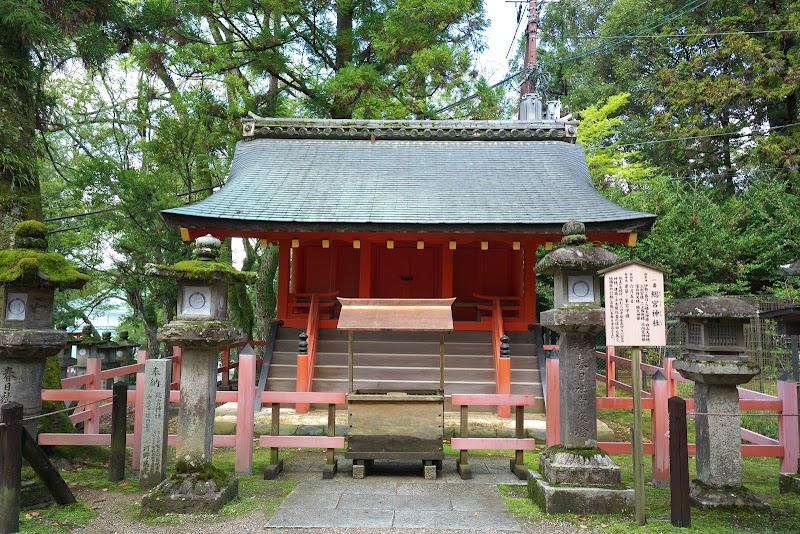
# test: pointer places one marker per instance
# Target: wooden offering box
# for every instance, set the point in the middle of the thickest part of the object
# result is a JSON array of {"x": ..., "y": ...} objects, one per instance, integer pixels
[{"x": 392, "y": 424}]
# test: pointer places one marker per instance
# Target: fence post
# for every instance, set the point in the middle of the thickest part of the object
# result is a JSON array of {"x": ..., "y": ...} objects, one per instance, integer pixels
[
  {"x": 673, "y": 385},
  {"x": 611, "y": 372},
  {"x": 138, "y": 413},
  {"x": 226, "y": 367},
  {"x": 10, "y": 465},
  {"x": 679, "y": 463},
  {"x": 302, "y": 385},
  {"x": 553, "y": 415},
  {"x": 788, "y": 426},
  {"x": 245, "y": 399},
  {"x": 93, "y": 367},
  {"x": 504, "y": 375},
  {"x": 177, "y": 355},
  {"x": 659, "y": 429},
  {"x": 119, "y": 416}
]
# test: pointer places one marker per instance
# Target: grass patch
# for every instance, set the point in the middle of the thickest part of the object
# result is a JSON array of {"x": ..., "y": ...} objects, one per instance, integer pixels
[
  {"x": 56, "y": 518},
  {"x": 760, "y": 476}
]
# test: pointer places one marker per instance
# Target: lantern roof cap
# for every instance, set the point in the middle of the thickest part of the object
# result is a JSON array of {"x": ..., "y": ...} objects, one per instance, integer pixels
[
  {"x": 792, "y": 269},
  {"x": 573, "y": 254},
  {"x": 714, "y": 307},
  {"x": 29, "y": 264},
  {"x": 204, "y": 267}
]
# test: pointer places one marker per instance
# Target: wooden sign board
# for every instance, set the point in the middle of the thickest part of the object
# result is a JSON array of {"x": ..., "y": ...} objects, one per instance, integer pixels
[{"x": 634, "y": 294}]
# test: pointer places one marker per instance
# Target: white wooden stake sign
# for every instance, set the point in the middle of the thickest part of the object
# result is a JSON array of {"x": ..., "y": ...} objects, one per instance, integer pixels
[{"x": 634, "y": 294}]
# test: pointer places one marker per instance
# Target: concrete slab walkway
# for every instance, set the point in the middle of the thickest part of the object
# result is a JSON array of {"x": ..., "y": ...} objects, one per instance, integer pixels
[{"x": 394, "y": 494}]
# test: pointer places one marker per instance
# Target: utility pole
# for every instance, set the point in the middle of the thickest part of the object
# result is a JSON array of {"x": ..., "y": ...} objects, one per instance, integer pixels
[{"x": 530, "y": 45}]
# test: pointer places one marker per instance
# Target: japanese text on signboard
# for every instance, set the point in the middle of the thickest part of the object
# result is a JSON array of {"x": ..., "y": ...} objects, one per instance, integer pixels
[{"x": 635, "y": 306}]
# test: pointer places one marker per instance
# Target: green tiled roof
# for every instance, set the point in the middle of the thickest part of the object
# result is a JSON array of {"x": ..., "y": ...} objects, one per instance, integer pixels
[{"x": 358, "y": 184}]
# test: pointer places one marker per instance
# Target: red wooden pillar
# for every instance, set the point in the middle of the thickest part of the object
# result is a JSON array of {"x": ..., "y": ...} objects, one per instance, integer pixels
[
  {"x": 447, "y": 271},
  {"x": 529, "y": 282},
  {"x": 365, "y": 270},
  {"x": 298, "y": 266},
  {"x": 284, "y": 270}
]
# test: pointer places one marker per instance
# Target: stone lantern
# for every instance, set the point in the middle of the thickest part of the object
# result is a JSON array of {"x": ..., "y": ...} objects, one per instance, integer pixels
[
  {"x": 576, "y": 476},
  {"x": 29, "y": 276},
  {"x": 202, "y": 328},
  {"x": 126, "y": 349},
  {"x": 106, "y": 350},
  {"x": 85, "y": 347},
  {"x": 714, "y": 358}
]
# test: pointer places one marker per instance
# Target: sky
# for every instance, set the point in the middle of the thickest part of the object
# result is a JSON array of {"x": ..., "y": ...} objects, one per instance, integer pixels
[{"x": 503, "y": 18}]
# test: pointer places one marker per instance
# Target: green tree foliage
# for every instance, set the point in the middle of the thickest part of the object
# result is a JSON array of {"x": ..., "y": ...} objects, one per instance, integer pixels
[
  {"x": 35, "y": 38},
  {"x": 345, "y": 59},
  {"x": 711, "y": 124}
]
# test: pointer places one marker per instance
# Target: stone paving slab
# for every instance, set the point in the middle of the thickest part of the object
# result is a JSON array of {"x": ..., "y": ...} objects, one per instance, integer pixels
[
  {"x": 455, "y": 520},
  {"x": 395, "y": 502},
  {"x": 313, "y": 517},
  {"x": 396, "y": 495}
]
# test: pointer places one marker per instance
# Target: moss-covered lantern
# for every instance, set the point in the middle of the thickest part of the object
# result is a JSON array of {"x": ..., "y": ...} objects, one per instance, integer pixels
[
  {"x": 29, "y": 277},
  {"x": 714, "y": 328},
  {"x": 201, "y": 329},
  {"x": 126, "y": 349},
  {"x": 202, "y": 282}
]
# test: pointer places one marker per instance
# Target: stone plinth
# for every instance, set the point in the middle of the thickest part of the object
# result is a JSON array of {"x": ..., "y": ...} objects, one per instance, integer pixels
[
  {"x": 187, "y": 494},
  {"x": 157, "y": 379},
  {"x": 579, "y": 481},
  {"x": 200, "y": 342},
  {"x": 22, "y": 358},
  {"x": 717, "y": 424}
]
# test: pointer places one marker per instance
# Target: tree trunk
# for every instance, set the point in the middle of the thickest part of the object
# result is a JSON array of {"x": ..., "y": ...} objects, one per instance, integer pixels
[
  {"x": 266, "y": 299},
  {"x": 344, "y": 51},
  {"x": 20, "y": 198}
]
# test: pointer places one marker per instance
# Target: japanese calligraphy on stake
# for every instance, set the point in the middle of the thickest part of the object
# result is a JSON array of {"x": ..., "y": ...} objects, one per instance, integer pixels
[{"x": 634, "y": 294}]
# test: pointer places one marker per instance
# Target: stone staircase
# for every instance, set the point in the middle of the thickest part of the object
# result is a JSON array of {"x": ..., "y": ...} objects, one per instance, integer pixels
[{"x": 408, "y": 360}]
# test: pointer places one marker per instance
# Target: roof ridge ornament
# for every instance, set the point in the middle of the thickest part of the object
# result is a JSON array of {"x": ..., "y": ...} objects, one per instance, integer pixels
[{"x": 562, "y": 129}]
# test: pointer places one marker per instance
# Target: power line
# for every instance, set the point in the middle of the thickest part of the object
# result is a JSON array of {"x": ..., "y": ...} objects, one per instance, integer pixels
[
  {"x": 516, "y": 31},
  {"x": 677, "y": 35},
  {"x": 706, "y": 136},
  {"x": 664, "y": 19},
  {"x": 106, "y": 210},
  {"x": 686, "y": 8}
]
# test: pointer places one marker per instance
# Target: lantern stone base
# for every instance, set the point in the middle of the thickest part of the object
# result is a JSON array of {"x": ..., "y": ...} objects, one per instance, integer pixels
[
  {"x": 189, "y": 493},
  {"x": 584, "y": 481},
  {"x": 716, "y": 373},
  {"x": 789, "y": 483},
  {"x": 554, "y": 499},
  {"x": 732, "y": 498}
]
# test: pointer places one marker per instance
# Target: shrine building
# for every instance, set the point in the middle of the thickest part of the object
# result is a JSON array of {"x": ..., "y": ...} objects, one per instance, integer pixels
[{"x": 409, "y": 210}]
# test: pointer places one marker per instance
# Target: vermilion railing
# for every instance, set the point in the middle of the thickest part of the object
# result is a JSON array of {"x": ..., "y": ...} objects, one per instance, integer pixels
[
  {"x": 306, "y": 359},
  {"x": 502, "y": 365}
]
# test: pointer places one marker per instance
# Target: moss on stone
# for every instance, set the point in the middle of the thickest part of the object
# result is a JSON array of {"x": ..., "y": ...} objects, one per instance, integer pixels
[
  {"x": 58, "y": 422},
  {"x": 201, "y": 472},
  {"x": 586, "y": 452},
  {"x": 205, "y": 271},
  {"x": 31, "y": 229},
  {"x": 33, "y": 268}
]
